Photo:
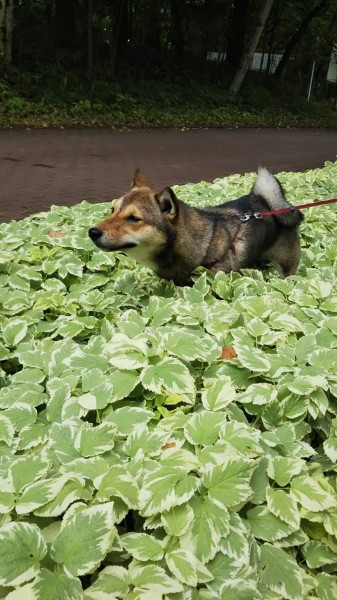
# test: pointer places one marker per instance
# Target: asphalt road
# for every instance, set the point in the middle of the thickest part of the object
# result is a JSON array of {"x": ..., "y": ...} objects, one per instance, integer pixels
[{"x": 41, "y": 167}]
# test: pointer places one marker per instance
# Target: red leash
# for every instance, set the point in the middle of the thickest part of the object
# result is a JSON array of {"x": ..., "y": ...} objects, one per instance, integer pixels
[{"x": 259, "y": 215}]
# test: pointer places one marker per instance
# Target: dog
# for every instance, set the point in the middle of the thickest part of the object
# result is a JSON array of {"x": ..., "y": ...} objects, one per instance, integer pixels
[{"x": 173, "y": 238}]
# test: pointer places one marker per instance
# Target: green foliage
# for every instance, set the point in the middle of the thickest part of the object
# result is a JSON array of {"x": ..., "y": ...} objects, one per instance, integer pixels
[
  {"x": 67, "y": 100},
  {"x": 137, "y": 463}
]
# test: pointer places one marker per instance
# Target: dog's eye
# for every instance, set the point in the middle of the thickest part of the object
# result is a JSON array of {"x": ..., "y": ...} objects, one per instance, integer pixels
[
  {"x": 112, "y": 209},
  {"x": 132, "y": 219}
]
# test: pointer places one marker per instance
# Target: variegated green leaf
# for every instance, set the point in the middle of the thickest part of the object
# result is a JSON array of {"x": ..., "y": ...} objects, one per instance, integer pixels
[
  {"x": 312, "y": 495},
  {"x": 280, "y": 573},
  {"x": 22, "y": 547},
  {"x": 284, "y": 506},
  {"x": 187, "y": 568},
  {"x": 85, "y": 539},
  {"x": 168, "y": 375},
  {"x": 112, "y": 582},
  {"x": 228, "y": 483},
  {"x": 142, "y": 546}
]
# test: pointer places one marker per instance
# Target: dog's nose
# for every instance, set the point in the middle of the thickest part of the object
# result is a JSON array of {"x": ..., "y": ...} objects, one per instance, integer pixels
[{"x": 95, "y": 233}]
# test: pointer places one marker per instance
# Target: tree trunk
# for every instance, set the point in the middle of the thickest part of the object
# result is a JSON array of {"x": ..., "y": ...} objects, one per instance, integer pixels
[
  {"x": 237, "y": 34},
  {"x": 298, "y": 35},
  {"x": 116, "y": 20},
  {"x": 64, "y": 23},
  {"x": 90, "y": 37},
  {"x": 6, "y": 30},
  {"x": 178, "y": 43},
  {"x": 248, "y": 53}
]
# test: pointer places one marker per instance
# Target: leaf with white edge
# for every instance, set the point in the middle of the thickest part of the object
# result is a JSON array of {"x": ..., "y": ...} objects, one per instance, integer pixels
[
  {"x": 218, "y": 393},
  {"x": 168, "y": 375},
  {"x": 258, "y": 393},
  {"x": 228, "y": 483},
  {"x": 33, "y": 435},
  {"x": 112, "y": 582},
  {"x": 330, "y": 448},
  {"x": 326, "y": 586},
  {"x": 179, "y": 457},
  {"x": 14, "y": 332},
  {"x": 127, "y": 417},
  {"x": 88, "y": 468},
  {"x": 202, "y": 429},
  {"x": 318, "y": 554},
  {"x": 253, "y": 359},
  {"x": 325, "y": 358},
  {"x": 186, "y": 346},
  {"x": 92, "y": 441},
  {"x": 123, "y": 383},
  {"x": 241, "y": 437},
  {"x": 266, "y": 526},
  {"x": 282, "y": 469},
  {"x": 285, "y": 322},
  {"x": 239, "y": 589},
  {"x": 56, "y": 586},
  {"x": 280, "y": 573},
  {"x": 85, "y": 539},
  {"x": 25, "y": 470},
  {"x": 153, "y": 578},
  {"x": 210, "y": 524},
  {"x": 185, "y": 566},
  {"x": 7, "y": 502},
  {"x": 7, "y": 430},
  {"x": 165, "y": 488},
  {"x": 141, "y": 438},
  {"x": 284, "y": 506},
  {"x": 22, "y": 547},
  {"x": 118, "y": 482},
  {"x": 177, "y": 520},
  {"x": 235, "y": 544},
  {"x": 62, "y": 440},
  {"x": 143, "y": 546},
  {"x": 71, "y": 491},
  {"x": 39, "y": 493},
  {"x": 311, "y": 495}
]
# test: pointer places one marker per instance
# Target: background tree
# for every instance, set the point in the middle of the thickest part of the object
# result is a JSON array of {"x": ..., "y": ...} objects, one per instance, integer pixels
[{"x": 251, "y": 46}]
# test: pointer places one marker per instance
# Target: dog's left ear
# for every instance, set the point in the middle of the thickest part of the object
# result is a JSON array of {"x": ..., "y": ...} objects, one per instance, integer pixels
[
  {"x": 168, "y": 203},
  {"x": 139, "y": 180}
]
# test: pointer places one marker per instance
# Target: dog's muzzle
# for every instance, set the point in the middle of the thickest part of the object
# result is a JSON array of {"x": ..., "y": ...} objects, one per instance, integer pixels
[{"x": 95, "y": 234}]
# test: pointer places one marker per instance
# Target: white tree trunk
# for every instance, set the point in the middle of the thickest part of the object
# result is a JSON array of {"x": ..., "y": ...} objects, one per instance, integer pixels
[{"x": 248, "y": 53}]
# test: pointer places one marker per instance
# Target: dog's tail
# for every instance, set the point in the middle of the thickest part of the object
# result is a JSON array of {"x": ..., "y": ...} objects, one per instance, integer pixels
[{"x": 267, "y": 186}]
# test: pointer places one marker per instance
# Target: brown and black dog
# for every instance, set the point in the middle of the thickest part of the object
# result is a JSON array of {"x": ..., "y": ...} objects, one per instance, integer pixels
[{"x": 172, "y": 238}]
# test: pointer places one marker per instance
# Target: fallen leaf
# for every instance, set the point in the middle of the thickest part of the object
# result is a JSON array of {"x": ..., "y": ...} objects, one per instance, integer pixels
[
  {"x": 56, "y": 234},
  {"x": 227, "y": 353},
  {"x": 169, "y": 445}
]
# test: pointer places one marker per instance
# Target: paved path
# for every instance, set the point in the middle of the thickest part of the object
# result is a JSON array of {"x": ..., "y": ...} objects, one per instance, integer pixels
[{"x": 39, "y": 168}]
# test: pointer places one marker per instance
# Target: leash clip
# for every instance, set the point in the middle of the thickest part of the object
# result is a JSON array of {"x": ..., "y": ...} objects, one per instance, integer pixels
[
  {"x": 257, "y": 215},
  {"x": 245, "y": 217}
]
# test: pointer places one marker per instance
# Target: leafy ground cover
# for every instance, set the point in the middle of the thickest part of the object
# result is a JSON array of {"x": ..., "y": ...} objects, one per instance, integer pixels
[{"x": 160, "y": 442}]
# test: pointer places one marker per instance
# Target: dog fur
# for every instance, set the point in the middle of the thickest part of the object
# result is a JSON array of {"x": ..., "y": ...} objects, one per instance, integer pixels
[{"x": 173, "y": 238}]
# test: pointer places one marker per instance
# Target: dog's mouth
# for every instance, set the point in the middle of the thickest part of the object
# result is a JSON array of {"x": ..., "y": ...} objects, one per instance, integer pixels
[{"x": 114, "y": 248}]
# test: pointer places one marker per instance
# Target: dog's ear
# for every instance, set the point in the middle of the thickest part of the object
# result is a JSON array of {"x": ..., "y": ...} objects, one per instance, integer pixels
[
  {"x": 168, "y": 203},
  {"x": 139, "y": 180}
]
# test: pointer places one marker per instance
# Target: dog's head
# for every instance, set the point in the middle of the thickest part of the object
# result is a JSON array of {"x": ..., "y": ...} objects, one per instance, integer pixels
[{"x": 141, "y": 223}]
